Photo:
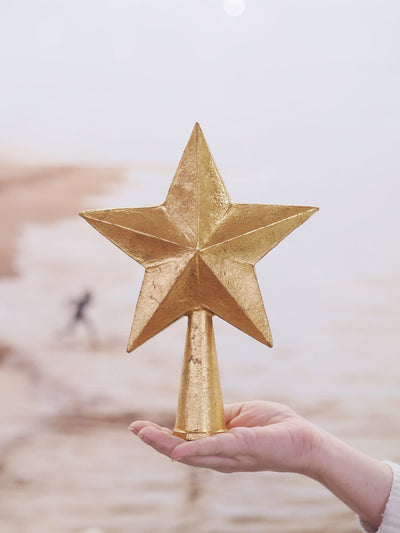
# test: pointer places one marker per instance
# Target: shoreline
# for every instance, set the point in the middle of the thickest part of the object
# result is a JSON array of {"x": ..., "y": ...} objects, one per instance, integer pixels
[{"x": 30, "y": 193}]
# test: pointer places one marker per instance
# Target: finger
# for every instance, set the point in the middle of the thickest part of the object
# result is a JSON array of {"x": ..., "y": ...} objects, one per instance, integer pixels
[
  {"x": 215, "y": 462},
  {"x": 231, "y": 411},
  {"x": 221, "y": 444},
  {"x": 137, "y": 425},
  {"x": 162, "y": 441}
]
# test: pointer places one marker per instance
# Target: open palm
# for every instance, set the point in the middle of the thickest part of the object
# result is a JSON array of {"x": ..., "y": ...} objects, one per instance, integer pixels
[{"x": 260, "y": 436}]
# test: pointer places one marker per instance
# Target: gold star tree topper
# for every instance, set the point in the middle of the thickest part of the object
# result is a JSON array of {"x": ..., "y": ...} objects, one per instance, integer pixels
[{"x": 199, "y": 252}]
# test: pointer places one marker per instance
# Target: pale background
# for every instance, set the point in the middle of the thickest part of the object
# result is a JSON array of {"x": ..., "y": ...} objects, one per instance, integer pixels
[{"x": 299, "y": 103}]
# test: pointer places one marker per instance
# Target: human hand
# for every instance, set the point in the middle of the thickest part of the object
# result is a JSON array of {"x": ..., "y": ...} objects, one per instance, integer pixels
[
  {"x": 270, "y": 436},
  {"x": 260, "y": 436}
]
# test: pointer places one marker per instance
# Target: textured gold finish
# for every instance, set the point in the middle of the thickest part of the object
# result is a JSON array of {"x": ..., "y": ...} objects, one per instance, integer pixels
[
  {"x": 200, "y": 382},
  {"x": 199, "y": 252}
]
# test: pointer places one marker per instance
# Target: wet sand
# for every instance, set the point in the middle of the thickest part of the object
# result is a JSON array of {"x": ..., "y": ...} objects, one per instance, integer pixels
[
  {"x": 69, "y": 464},
  {"x": 43, "y": 194}
]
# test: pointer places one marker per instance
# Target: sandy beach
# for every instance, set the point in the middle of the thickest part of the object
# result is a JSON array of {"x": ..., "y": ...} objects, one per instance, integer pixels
[{"x": 69, "y": 464}]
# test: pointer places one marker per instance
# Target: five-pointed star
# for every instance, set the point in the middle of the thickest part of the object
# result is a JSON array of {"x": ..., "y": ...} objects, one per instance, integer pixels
[{"x": 198, "y": 249}]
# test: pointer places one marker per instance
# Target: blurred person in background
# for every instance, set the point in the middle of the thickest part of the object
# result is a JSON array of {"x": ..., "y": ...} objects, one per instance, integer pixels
[{"x": 80, "y": 317}]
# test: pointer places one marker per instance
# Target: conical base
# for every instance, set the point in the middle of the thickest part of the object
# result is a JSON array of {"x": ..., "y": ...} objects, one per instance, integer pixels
[{"x": 200, "y": 408}]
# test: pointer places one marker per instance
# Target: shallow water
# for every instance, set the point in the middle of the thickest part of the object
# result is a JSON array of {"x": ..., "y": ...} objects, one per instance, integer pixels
[{"x": 68, "y": 462}]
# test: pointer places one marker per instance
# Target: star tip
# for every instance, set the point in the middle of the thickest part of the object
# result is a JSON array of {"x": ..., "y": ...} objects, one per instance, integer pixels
[
  {"x": 267, "y": 340},
  {"x": 197, "y": 129},
  {"x": 86, "y": 214},
  {"x": 133, "y": 344},
  {"x": 309, "y": 212}
]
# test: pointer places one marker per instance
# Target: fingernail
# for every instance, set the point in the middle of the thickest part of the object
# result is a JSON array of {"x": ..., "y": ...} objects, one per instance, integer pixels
[
  {"x": 144, "y": 439},
  {"x": 133, "y": 429}
]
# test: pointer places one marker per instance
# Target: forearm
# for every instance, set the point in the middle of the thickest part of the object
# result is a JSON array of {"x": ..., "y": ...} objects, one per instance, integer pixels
[{"x": 361, "y": 482}]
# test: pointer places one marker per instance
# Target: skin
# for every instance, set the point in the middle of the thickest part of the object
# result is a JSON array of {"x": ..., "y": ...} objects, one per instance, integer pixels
[{"x": 270, "y": 436}]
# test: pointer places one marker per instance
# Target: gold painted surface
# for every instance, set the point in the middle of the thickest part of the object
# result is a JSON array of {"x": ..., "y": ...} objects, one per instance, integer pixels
[
  {"x": 200, "y": 385},
  {"x": 199, "y": 252}
]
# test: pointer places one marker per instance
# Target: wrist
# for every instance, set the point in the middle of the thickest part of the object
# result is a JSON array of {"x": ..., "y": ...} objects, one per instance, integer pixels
[
  {"x": 307, "y": 458},
  {"x": 325, "y": 457},
  {"x": 359, "y": 481}
]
